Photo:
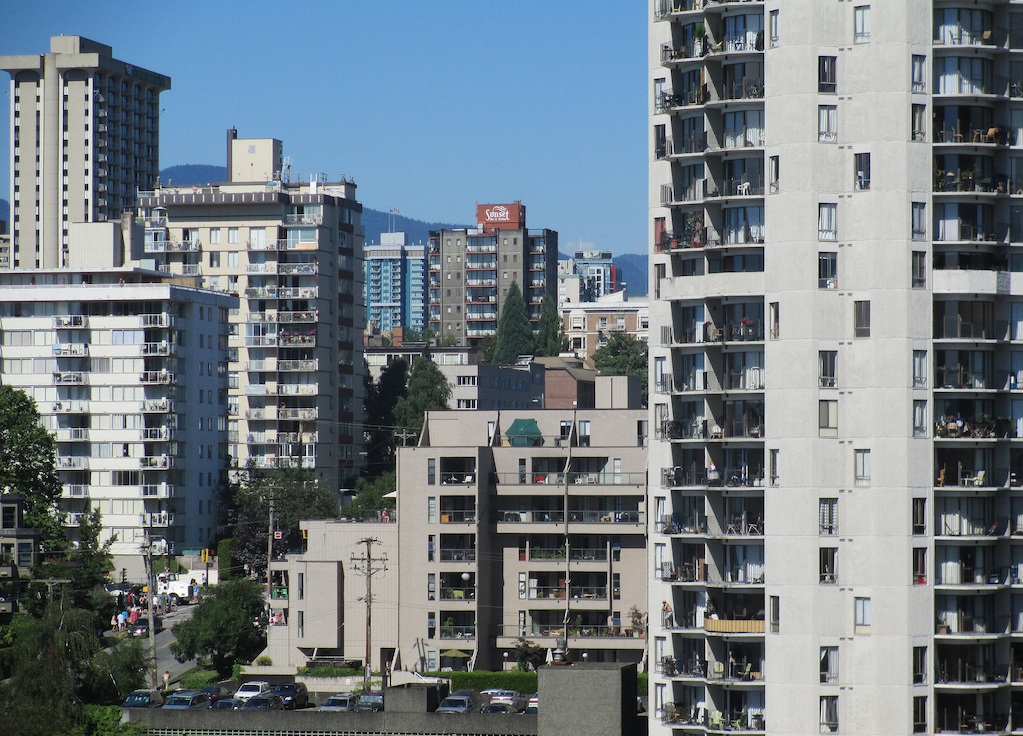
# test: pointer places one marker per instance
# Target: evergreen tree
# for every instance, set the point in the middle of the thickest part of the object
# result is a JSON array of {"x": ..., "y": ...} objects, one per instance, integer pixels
[
  {"x": 550, "y": 337},
  {"x": 624, "y": 355},
  {"x": 428, "y": 390},
  {"x": 381, "y": 398},
  {"x": 514, "y": 334}
]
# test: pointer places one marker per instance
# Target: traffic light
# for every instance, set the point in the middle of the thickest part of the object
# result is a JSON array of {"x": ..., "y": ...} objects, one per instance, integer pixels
[{"x": 205, "y": 555}]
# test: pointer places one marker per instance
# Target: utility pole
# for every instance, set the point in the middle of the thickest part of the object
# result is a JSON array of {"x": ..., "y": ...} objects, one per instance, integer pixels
[
  {"x": 152, "y": 604},
  {"x": 405, "y": 434},
  {"x": 368, "y": 567}
]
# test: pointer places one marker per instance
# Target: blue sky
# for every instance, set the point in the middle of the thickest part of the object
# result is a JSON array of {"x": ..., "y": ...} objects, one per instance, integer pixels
[{"x": 431, "y": 106}]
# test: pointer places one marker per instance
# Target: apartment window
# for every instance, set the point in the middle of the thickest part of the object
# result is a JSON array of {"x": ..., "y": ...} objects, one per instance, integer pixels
[
  {"x": 774, "y": 28},
  {"x": 920, "y": 566},
  {"x": 577, "y": 323},
  {"x": 232, "y": 258},
  {"x": 826, "y": 74},
  {"x": 827, "y": 270},
  {"x": 920, "y": 714},
  {"x": 920, "y": 418},
  {"x": 828, "y": 418},
  {"x": 919, "y": 113},
  {"x": 919, "y": 516},
  {"x": 862, "y": 171},
  {"x": 431, "y": 510},
  {"x": 829, "y": 664},
  {"x": 919, "y": 665},
  {"x": 774, "y": 310},
  {"x": 919, "y": 369},
  {"x": 861, "y": 461},
  {"x": 431, "y": 471},
  {"x": 861, "y": 613},
  {"x": 827, "y": 361},
  {"x": 775, "y": 614},
  {"x": 828, "y": 514},
  {"x": 584, "y": 433},
  {"x": 431, "y": 586},
  {"x": 828, "y": 565},
  {"x": 774, "y": 456},
  {"x": 861, "y": 325},
  {"x": 861, "y": 19},
  {"x": 919, "y": 73},
  {"x": 827, "y": 221},
  {"x": 300, "y": 629},
  {"x": 232, "y": 235},
  {"x": 774, "y": 172},
  {"x": 431, "y": 547},
  {"x": 215, "y": 236},
  {"x": 919, "y": 225},
  {"x": 829, "y": 713},
  {"x": 827, "y": 123}
]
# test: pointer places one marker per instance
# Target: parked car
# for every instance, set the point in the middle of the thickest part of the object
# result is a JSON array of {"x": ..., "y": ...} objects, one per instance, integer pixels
[
  {"x": 217, "y": 692},
  {"x": 251, "y": 688},
  {"x": 534, "y": 705},
  {"x": 499, "y": 708},
  {"x": 143, "y": 699},
  {"x": 187, "y": 699},
  {"x": 370, "y": 701},
  {"x": 341, "y": 701},
  {"x": 461, "y": 701},
  {"x": 294, "y": 694},
  {"x": 266, "y": 701},
  {"x": 141, "y": 627},
  {"x": 227, "y": 704},
  {"x": 511, "y": 697}
]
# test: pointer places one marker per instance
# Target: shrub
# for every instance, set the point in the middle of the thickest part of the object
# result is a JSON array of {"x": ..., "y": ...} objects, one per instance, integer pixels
[
  {"x": 224, "y": 559},
  {"x": 524, "y": 682},
  {"x": 328, "y": 672},
  {"x": 263, "y": 661},
  {"x": 197, "y": 679}
]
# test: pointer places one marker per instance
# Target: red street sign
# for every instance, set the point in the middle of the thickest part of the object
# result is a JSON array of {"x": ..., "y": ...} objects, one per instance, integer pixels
[{"x": 278, "y": 535}]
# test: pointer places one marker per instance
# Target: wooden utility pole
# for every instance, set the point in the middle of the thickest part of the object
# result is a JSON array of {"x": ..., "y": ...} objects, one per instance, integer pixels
[
  {"x": 152, "y": 602},
  {"x": 368, "y": 566}
]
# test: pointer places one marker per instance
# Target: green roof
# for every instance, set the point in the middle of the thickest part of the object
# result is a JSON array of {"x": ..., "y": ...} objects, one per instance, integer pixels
[{"x": 525, "y": 433}]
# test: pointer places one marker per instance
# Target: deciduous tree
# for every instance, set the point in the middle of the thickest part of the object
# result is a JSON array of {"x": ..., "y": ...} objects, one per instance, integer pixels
[
  {"x": 225, "y": 626},
  {"x": 623, "y": 355},
  {"x": 514, "y": 333},
  {"x": 428, "y": 390}
]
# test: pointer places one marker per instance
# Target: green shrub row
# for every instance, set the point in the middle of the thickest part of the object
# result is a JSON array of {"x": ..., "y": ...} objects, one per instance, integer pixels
[
  {"x": 328, "y": 672},
  {"x": 197, "y": 679}
]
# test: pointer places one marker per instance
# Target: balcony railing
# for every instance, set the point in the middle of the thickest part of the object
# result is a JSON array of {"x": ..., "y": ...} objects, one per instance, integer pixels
[
  {"x": 458, "y": 632},
  {"x": 457, "y": 517},
  {"x": 454, "y": 554},
  {"x": 458, "y": 594}
]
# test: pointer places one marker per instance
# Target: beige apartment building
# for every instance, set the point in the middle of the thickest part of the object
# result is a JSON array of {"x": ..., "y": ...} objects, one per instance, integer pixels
[
  {"x": 291, "y": 250},
  {"x": 589, "y": 325},
  {"x": 84, "y": 138}
]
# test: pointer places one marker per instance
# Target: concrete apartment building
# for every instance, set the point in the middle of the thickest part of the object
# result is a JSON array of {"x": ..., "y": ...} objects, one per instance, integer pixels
[
  {"x": 835, "y": 471},
  {"x": 130, "y": 374},
  {"x": 84, "y": 138},
  {"x": 470, "y": 271},
  {"x": 589, "y": 325},
  {"x": 292, "y": 252},
  {"x": 598, "y": 267},
  {"x": 395, "y": 284}
]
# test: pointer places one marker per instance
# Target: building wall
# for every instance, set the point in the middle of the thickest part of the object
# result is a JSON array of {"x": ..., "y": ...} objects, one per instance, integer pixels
[{"x": 589, "y": 326}]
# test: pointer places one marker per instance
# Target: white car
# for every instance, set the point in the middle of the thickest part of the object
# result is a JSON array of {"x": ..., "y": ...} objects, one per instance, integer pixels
[{"x": 252, "y": 688}]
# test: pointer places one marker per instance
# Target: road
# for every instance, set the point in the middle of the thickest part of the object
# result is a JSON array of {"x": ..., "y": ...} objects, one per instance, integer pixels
[{"x": 165, "y": 661}]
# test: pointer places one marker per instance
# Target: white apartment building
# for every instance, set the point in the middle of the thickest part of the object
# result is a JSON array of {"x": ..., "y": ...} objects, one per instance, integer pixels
[
  {"x": 292, "y": 251},
  {"x": 131, "y": 375},
  {"x": 84, "y": 138},
  {"x": 835, "y": 353}
]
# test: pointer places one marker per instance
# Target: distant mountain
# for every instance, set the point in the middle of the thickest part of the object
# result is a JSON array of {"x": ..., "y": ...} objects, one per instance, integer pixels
[
  {"x": 374, "y": 222},
  {"x": 634, "y": 271}
]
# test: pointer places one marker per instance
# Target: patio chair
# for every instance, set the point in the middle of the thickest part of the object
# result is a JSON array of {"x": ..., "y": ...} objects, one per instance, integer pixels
[{"x": 717, "y": 720}]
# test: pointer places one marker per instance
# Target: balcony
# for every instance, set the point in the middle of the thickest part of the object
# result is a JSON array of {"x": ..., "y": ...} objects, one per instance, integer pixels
[
  {"x": 262, "y": 292},
  {"x": 76, "y": 491},
  {"x": 158, "y": 434},
  {"x": 159, "y": 518},
  {"x": 70, "y": 321},
  {"x": 70, "y": 407},
  {"x": 466, "y": 516},
  {"x": 745, "y": 89},
  {"x": 304, "y": 292},
  {"x": 458, "y": 594},
  {"x": 457, "y": 555},
  {"x": 72, "y": 434},
  {"x": 70, "y": 378},
  {"x": 173, "y": 246},
  {"x": 270, "y": 268},
  {"x": 156, "y": 349},
  {"x": 159, "y": 490},
  {"x": 72, "y": 462},
  {"x": 74, "y": 350},
  {"x": 156, "y": 377},
  {"x": 297, "y": 365},
  {"x": 156, "y": 406},
  {"x": 156, "y": 320},
  {"x": 299, "y": 269},
  {"x": 458, "y": 632},
  {"x": 156, "y": 462},
  {"x": 307, "y": 317}
]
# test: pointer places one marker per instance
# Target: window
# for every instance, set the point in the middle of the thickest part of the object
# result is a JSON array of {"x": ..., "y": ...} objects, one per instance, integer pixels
[
  {"x": 861, "y": 609},
  {"x": 466, "y": 380},
  {"x": 919, "y": 113},
  {"x": 827, "y": 221},
  {"x": 431, "y": 586},
  {"x": 828, "y": 418},
  {"x": 232, "y": 235},
  {"x": 919, "y": 665},
  {"x": 826, "y": 74},
  {"x": 919, "y": 226},
  {"x": 919, "y": 566},
  {"x": 862, "y": 319},
  {"x": 215, "y": 236},
  {"x": 827, "y": 362},
  {"x": 919, "y": 516},
  {"x": 774, "y": 171},
  {"x": 920, "y": 714},
  {"x": 774, "y": 28},
  {"x": 919, "y": 369},
  {"x": 828, "y": 565},
  {"x": 862, "y": 171},
  {"x": 431, "y": 510},
  {"x": 774, "y": 457},
  {"x": 919, "y": 73},
  {"x": 827, "y": 270},
  {"x": 829, "y": 713},
  {"x": 829, "y": 664},
  {"x": 828, "y": 512},
  {"x": 861, "y": 18},
  {"x": 920, "y": 418},
  {"x": 827, "y": 123},
  {"x": 301, "y": 585},
  {"x": 431, "y": 471},
  {"x": 300, "y": 630},
  {"x": 775, "y": 614},
  {"x": 862, "y": 467},
  {"x": 584, "y": 433},
  {"x": 232, "y": 258},
  {"x": 774, "y": 309}
]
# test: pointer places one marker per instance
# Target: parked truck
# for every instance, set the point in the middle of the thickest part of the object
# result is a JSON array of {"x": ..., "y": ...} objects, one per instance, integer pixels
[{"x": 184, "y": 587}]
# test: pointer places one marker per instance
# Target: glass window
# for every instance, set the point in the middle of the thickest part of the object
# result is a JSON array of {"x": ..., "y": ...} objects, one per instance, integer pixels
[
  {"x": 919, "y": 269},
  {"x": 775, "y": 456},
  {"x": 862, "y": 171},
  {"x": 829, "y": 664},
  {"x": 862, "y": 469},
  {"x": 828, "y": 418},
  {"x": 775, "y": 30},
  {"x": 827, "y": 123},
  {"x": 919, "y": 230},
  {"x": 919, "y": 516},
  {"x": 919, "y": 73},
  {"x": 919, "y": 122},
  {"x": 827, "y": 221},
  {"x": 774, "y": 170},
  {"x": 775, "y": 613},
  {"x": 920, "y": 713},
  {"x": 828, "y": 513},
  {"x": 828, "y": 565},
  {"x": 920, "y": 566},
  {"x": 862, "y": 319},
  {"x": 826, "y": 74},
  {"x": 919, "y": 369},
  {"x": 862, "y": 614},
  {"x": 827, "y": 270},
  {"x": 919, "y": 665},
  {"x": 431, "y": 471},
  {"x": 920, "y": 418},
  {"x": 232, "y": 235},
  {"x": 828, "y": 363},
  {"x": 829, "y": 713},
  {"x": 861, "y": 17},
  {"x": 431, "y": 510}
]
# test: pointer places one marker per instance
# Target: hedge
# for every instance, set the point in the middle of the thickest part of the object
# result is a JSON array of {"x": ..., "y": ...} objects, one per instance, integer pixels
[
  {"x": 198, "y": 679},
  {"x": 328, "y": 672},
  {"x": 524, "y": 682}
]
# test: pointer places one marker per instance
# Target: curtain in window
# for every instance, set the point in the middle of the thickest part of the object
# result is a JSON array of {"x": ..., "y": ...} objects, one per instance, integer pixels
[{"x": 949, "y": 569}]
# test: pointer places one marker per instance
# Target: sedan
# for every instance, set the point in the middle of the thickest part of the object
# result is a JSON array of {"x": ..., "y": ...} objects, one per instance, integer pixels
[
  {"x": 227, "y": 704},
  {"x": 266, "y": 701},
  {"x": 499, "y": 708},
  {"x": 373, "y": 702},
  {"x": 185, "y": 699},
  {"x": 341, "y": 701},
  {"x": 143, "y": 699},
  {"x": 217, "y": 692}
]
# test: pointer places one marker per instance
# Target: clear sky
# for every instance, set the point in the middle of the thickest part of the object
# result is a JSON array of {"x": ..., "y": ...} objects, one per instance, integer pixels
[{"x": 431, "y": 106}]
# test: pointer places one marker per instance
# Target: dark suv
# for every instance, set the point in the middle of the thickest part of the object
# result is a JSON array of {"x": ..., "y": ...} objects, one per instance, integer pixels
[
  {"x": 294, "y": 694},
  {"x": 461, "y": 701}
]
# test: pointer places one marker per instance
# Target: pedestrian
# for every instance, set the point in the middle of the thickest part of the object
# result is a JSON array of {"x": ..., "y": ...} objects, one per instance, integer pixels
[
  {"x": 166, "y": 679},
  {"x": 113, "y": 622}
]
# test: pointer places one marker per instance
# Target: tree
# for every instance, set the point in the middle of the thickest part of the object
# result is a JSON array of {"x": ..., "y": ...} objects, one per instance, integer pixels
[
  {"x": 28, "y": 465},
  {"x": 370, "y": 494},
  {"x": 381, "y": 397},
  {"x": 486, "y": 347},
  {"x": 514, "y": 333},
  {"x": 528, "y": 655},
  {"x": 225, "y": 626},
  {"x": 428, "y": 390},
  {"x": 623, "y": 355},
  {"x": 296, "y": 493},
  {"x": 550, "y": 336}
]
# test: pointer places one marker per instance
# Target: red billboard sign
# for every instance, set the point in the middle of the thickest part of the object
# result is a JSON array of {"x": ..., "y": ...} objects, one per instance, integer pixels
[{"x": 501, "y": 216}]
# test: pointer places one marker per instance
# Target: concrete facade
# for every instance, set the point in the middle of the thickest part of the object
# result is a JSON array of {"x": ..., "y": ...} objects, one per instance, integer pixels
[
  {"x": 588, "y": 326},
  {"x": 84, "y": 138},
  {"x": 395, "y": 284}
]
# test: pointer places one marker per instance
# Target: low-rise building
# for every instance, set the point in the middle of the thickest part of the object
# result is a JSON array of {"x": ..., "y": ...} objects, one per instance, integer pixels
[
  {"x": 19, "y": 549},
  {"x": 588, "y": 326}
]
